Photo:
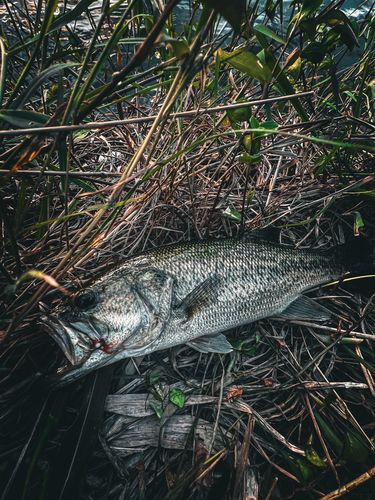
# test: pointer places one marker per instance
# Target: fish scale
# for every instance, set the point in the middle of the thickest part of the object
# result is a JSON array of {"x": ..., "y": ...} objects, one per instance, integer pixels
[
  {"x": 187, "y": 293},
  {"x": 257, "y": 279}
]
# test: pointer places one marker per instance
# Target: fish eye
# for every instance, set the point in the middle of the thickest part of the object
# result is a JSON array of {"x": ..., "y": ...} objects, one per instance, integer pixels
[{"x": 84, "y": 300}]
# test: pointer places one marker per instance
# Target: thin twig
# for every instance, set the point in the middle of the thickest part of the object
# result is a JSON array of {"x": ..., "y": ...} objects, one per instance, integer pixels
[
  {"x": 350, "y": 486},
  {"x": 117, "y": 123}
]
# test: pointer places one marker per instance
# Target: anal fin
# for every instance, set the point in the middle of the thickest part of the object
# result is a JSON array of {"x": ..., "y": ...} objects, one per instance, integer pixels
[
  {"x": 211, "y": 343},
  {"x": 305, "y": 308}
]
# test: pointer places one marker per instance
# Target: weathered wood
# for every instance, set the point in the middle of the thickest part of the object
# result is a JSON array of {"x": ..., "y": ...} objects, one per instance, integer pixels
[
  {"x": 251, "y": 485},
  {"x": 138, "y": 405},
  {"x": 145, "y": 432}
]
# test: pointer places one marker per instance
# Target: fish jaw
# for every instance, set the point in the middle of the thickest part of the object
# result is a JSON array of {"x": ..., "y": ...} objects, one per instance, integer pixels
[
  {"x": 124, "y": 317},
  {"x": 83, "y": 344},
  {"x": 89, "y": 343},
  {"x": 76, "y": 339}
]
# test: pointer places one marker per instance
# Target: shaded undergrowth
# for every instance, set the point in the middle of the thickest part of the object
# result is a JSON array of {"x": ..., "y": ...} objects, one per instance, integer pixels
[{"x": 123, "y": 137}]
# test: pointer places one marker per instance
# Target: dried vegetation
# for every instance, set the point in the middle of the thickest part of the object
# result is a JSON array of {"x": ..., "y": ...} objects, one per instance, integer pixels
[{"x": 145, "y": 160}]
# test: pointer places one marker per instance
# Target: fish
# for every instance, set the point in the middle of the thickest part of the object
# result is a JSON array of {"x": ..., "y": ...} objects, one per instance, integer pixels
[{"x": 190, "y": 293}]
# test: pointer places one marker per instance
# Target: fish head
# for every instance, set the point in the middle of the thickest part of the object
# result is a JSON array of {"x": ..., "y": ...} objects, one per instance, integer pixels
[{"x": 99, "y": 321}]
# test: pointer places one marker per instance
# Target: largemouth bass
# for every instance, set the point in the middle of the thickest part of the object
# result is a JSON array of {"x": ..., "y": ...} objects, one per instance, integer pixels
[{"x": 188, "y": 293}]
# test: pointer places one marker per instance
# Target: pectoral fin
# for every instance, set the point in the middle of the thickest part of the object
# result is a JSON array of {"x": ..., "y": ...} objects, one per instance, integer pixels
[
  {"x": 199, "y": 298},
  {"x": 305, "y": 308},
  {"x": 211, "y": 343}
]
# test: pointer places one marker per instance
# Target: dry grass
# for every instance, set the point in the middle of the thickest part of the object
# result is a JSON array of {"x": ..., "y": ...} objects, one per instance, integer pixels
[{"x": 292, "y": 410}]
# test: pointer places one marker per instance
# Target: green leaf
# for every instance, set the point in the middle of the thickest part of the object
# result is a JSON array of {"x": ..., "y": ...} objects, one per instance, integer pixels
[
  {"x": 367, "y": 351},
  {"x": 232, "y": 214},
  {"x": 330, "y": 41},
  {"x": 203, "y": 18},
  {"x": 372, "y": 88},
  {"x": 245, "y": 158},
  {"x": 177, "y": 397},
  {"x": 149, "y": 23},
  {"x": 50, "y": 9},
  {"x": 330, "y": 436},
  {"x": 234, "y": 11},
  {"x": 180, "y": 47},
  {"x": 293, "y": 465},
  {"x": 240, "y": 345},
  {"x": 37, "y": 82},
  {"x": 351, "y": 95},
  {"x": 270, "y": 8},
  {"x": 309, "y": 7},
  {"x": 313, "y": 457},
  {"x": 334, "y": 17},
  {"x": 189, "y": 33},
  {"x": 248, "y": 63},
  {"x": 363, "y": 362},
  {"x": 247, "y": 141},
  {"x": 314, "y": 52},
  {"x": 86, "y": 187},
  {"x": 70, "y": 16},
  {"x": 10, "y": 289},
  {"x": 254, "y": 122},
  {"x": 23, "y": 119},
  {"x": 156, "y": 408},
  {"x": 305, "y": 469},
  {"x": 347, "y": 35},
  {"x": 250, "y": 195},
  {"x": 266, "y": 31},
  {"x": 236, "y": 344},
  {"x": 354, "y": 449},
  {"x": 240, "y": 114},
  {"x": 358, "y": 223},
  {"x": 309, "y": 27},
  {"x": 295, "y": 69},
  {"x": 265, "y": 128},
  {"x": 249, "y": 350},
  {"x": 282, "y": 81}
]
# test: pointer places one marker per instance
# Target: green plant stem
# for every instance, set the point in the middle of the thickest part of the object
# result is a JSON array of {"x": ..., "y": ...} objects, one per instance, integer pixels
[
  {"x": 138, "y": 58},
  {"x": 50, "y": 10},
  {"x": 86, "y": 61},
  {"x": 101, "y": 61}
]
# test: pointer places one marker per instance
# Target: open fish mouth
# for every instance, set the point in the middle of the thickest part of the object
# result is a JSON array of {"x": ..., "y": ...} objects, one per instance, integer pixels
[{"x": 77, "y": 339}]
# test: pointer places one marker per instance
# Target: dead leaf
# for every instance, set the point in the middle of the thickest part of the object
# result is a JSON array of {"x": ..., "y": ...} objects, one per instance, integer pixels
[
  {"x": 292, "y": 57},
  {"x": 234, "y": 393}
]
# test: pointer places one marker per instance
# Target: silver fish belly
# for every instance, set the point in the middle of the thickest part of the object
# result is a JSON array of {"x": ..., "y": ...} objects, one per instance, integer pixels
[{"x": 186, "y": 293}]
